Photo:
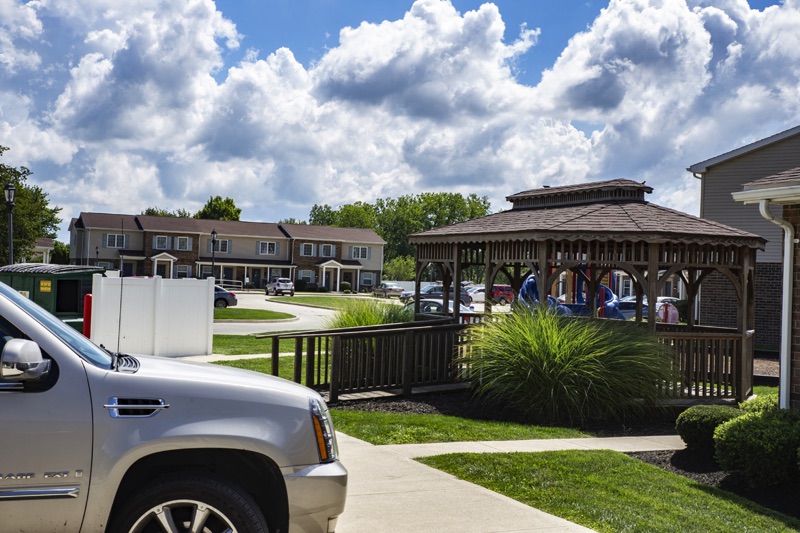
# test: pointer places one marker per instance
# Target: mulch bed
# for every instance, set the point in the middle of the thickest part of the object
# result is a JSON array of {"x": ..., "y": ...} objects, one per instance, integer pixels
[{"x": 784, "y": 499}]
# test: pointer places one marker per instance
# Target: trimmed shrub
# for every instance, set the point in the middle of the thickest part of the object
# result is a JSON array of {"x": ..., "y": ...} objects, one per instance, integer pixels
[
  {"x": 761, "y": 445},
  {"x": 369, "y": 312},
  {"x": 300, "y": 285},
  {"x": 345, "y": 286},
  {"x": 762, "y": 402},
  {"x": 323, "y": 288},
  {"x": 564, "y": 369},
  {"x": 696, "y": 425}
]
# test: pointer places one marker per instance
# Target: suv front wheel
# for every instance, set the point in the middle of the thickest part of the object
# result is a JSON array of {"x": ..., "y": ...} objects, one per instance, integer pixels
[{"x": 191, "y": 502}]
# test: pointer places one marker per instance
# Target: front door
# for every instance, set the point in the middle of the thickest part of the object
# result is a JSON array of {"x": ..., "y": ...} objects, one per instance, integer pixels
[
  {"x": 45, "y": 445},
  {"x": 257, "y": 278},
  {"x": 161, "y": 270}
]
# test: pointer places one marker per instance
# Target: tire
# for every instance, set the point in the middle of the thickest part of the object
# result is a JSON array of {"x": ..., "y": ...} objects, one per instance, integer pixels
[
  {"x": 221, "y": 303},
  {"x": 291, "y": 293},
  {"x": 174, "y": 499}
]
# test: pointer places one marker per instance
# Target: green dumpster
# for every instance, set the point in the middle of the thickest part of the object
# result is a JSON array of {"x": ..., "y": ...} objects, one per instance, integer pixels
[{"x": 58, "y": 288}]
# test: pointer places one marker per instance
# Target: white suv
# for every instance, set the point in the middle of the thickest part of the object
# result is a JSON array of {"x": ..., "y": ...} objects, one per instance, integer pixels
[
  {"x": 280, "y": 286},
  {"x": 100, "y": 441}
]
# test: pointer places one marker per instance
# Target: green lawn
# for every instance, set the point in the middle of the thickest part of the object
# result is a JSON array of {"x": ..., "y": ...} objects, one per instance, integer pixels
[
  {"x": 328, "y": 302},
  {"x": 248, "y": 344},
  {"x": 394, "y": 428},
  {"x": 236, "y": 313},
  {"x": 264, "y": 365},
  {"x": 610, "y": 492}
]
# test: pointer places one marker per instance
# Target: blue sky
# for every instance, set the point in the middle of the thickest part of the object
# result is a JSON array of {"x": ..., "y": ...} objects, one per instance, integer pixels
[{"x": 283, "y": 104}]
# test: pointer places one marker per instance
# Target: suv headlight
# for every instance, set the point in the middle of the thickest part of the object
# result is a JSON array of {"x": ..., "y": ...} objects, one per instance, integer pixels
[{"x": 323, "y": 430}]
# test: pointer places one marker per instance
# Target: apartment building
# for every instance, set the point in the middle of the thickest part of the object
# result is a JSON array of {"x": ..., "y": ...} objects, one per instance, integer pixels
[{"x": 249, "y": 253}]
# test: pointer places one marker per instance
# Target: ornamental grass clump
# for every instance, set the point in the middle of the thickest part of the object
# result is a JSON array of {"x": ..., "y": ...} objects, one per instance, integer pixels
[
  {"x": 369, "y": 312},
  {"x": 557, "y": 369}
]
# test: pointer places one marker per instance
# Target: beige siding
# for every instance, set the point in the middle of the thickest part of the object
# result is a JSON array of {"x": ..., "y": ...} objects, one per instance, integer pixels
[
  {"x": 725, "y": 178},
  {"x": 247, "y": 248}
]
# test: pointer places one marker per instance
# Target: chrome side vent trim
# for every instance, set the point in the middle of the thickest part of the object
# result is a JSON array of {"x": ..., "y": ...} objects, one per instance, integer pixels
[
  {"x": 127, "y": 363},
  {"x": 135, "y": 407},
  {"x": 33, "y": 492}
]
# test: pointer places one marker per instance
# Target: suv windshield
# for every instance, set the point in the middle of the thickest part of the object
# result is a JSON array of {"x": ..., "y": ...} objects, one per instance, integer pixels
[{"x": 82, "y": 346}]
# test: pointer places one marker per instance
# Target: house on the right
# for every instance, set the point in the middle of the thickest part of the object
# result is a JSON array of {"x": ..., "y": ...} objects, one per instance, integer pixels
[
  {"x": 783, "y": 191},
  {"x": 720, "y": 177}
]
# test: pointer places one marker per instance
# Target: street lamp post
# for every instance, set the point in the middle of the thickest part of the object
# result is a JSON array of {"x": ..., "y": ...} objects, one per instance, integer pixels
[
  {"x": 213, "y": 252},
  {"x": 10, "y": 191}
]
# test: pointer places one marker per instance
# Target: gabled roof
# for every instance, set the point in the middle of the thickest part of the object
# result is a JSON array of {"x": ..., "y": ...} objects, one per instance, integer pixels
[
  {"x": 332, "y": 234},
  {"x": 201, "y": 226},
  {"x": 109, "y": 221},
  {"x": 703, "y": 166}
]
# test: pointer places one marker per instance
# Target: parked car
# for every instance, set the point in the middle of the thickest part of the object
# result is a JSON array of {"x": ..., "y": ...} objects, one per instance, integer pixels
[
  {"x": 280, "y": 286},
  {"x": 387, "y": 290},
  {"x": 224, "y": 297},
  {"x": 104, "y": 441},
  {"x": 628, "y": 308},
  {"x": 502, "y": 294},
  {"x": 436, "y": 306},
  {"x": 435, "y": 291},
  {"x": 478, "y": 294}
]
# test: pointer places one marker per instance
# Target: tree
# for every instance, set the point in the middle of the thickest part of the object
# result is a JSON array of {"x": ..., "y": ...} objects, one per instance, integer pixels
[
  {"x": 60, "y": 253},
  {"x": 400, "y": 268},
  {"x": 33, "y": 216},
  {"x": 322, "y": 215},
  {"x": 218, "y": 209},
  {"x": 158, "y": 212},
  {"x": 291, "y": 220}
]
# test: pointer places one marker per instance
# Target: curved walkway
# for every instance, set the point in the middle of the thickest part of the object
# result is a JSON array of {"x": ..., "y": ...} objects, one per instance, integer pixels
[{"x": 388, "y": 491}]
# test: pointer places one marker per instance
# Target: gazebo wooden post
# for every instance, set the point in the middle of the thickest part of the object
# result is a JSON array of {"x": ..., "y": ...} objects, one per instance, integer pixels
[
  {"x": 489, "y": 276},
  {"x": 458, "y": 251},
  {"x": 652, "y": 284}
]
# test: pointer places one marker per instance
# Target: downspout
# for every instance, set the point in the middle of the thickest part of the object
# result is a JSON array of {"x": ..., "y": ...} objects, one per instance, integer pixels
[{"x": 786, "y": 305}]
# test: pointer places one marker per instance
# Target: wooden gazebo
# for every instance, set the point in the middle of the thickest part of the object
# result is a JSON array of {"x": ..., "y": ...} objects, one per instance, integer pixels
[{"x": 592, "y": 229}]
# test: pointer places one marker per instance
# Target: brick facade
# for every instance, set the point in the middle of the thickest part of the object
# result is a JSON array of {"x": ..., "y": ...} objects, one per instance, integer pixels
[{"x": 719, "y": 305}]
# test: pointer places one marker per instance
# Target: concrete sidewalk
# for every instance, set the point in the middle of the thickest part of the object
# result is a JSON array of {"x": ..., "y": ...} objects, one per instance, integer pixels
[{"x": 388, "y": 491}]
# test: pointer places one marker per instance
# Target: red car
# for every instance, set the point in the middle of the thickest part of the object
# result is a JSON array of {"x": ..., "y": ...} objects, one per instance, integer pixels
[{"x": 502, "y": 294}]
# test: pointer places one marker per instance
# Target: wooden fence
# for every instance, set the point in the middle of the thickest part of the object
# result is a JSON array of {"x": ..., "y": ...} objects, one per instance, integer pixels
[{"x": 710, "y": 363}]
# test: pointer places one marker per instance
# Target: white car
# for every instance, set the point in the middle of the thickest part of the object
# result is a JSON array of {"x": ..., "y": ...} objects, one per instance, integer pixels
[
  {"x": 432, "y": 305},
  {"x": 478, "y": 294}
]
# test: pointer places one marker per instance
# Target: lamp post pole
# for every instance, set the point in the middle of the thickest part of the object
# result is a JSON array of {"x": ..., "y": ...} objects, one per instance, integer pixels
[
  {"x": 10, "y": 192},
  {"x": 213, "y": 252}
]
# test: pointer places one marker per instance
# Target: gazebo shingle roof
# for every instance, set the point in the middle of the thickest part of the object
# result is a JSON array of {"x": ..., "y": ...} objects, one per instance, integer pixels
[{"x": 627, "y": 218}]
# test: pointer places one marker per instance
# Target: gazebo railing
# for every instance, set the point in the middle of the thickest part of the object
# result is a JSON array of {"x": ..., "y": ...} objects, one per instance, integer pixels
[{"x": 710, "y": 362}]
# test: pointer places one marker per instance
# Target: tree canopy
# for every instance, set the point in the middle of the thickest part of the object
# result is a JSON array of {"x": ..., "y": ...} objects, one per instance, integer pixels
[
  {"x": 158, "y": 212},
  {"x": 218, "y": 209},
  {"x": 394, "y": 219},
  {"x": 33, "y": 217}
]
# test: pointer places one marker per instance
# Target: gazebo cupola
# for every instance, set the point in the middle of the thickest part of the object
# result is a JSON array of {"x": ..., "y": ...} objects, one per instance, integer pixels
[{"x": 616, "y": 191}]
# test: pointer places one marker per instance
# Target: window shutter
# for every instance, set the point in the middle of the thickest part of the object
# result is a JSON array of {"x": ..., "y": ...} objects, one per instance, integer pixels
[
  {"x": 351, "y": 253},
  {"x": 277, "y": 248},
  {"x": 230, "y": 246},
  {"x": 126, "y": 241},
  {"x": 105, "y": 240},
  {"x": 155, "y": 242},
  {"x": 189, "y": 271},
  {"x": 369, "y": 253},
  {"x": 189, "y": 243},
  {"x": 258, "y": 247},
  {"x": 208, "y": 246},
  {"x": 169, "y": 243}
]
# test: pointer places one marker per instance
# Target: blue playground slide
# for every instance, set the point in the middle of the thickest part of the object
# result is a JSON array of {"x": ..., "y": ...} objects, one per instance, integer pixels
[{"x": 529, "y": 297}]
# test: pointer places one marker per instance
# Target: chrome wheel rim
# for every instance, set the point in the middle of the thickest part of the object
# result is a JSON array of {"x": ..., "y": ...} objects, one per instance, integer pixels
[{"x": 183, "y": 516}]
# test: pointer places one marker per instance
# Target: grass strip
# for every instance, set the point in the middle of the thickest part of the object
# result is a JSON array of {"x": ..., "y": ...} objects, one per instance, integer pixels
[
  {"x": 248, "y": 344},
  {"x": 395, "y": 428},
  {"x": 241, "y": 313},
  {"x": 264, "y": 365},
  {"x": 328, "y": 302},
  {"x": 611, "y": 492}
]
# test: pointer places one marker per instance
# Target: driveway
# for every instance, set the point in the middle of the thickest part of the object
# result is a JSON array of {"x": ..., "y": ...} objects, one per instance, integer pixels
[{"x": 308, "y": 318}]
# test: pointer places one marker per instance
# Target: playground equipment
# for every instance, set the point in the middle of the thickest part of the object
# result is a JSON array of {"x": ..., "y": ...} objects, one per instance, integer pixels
[{"x": 607, "y": 302}]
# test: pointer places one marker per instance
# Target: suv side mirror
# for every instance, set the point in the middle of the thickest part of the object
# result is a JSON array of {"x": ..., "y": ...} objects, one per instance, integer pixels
[{"x": 21, "y": 360}]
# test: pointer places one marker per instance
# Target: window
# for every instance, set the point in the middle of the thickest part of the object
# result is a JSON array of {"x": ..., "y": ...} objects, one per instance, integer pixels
[
  {"x": 326, "y": 250},
  {"x": 307, "y": 249},
  {"x": 182, "y": 244},
  {"x": 182, "y": 271},
  {"x": 367, "y": 278},
  {"x": 106, "y": 265},
  {"x": 115, "y": 240},
  {"x": 360, "y": 252},
  {"x": 267, "y": 248},
  {"x": 161, "y": 242},
  {"x": 206, "y": 272},
  {"x": 306, "y": 275},
  {"x": 222, "y": 246}
]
